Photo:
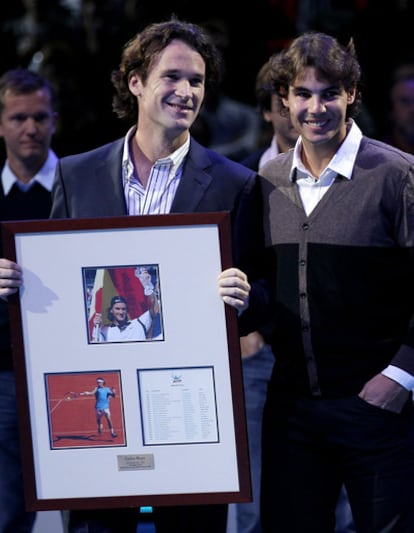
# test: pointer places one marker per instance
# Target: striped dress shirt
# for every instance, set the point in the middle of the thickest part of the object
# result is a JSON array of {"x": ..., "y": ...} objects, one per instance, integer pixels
[{"x": 162, "y": 184}]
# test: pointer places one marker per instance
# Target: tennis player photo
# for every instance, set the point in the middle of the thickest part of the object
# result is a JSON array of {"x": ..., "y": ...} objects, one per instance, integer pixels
[
  {"x": 85, "y": 409},
  {"x": 123, "y": 304}
]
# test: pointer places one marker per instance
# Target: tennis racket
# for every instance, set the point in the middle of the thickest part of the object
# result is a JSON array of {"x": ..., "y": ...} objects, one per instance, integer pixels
[{"x": 71, "y": 395}]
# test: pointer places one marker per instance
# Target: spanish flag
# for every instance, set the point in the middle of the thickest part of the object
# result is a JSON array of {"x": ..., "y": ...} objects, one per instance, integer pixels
[{"x": 110, "y": 282}]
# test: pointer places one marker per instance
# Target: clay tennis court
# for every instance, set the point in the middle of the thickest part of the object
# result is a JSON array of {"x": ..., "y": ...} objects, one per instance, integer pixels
[{"x": 72, "y": 418}]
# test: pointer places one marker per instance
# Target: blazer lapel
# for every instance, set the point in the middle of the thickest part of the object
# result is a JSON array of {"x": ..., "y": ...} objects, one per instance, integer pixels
[
  {"x": 111, "y": 192},
  {"x": 192, "y": 188},
  {"x": 194, "y": 181}
]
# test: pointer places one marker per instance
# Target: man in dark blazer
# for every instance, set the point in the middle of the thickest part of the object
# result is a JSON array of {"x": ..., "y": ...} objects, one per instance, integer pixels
[
  {"x": 156, "y": 169},
  {"x": 90, "y": 185}
]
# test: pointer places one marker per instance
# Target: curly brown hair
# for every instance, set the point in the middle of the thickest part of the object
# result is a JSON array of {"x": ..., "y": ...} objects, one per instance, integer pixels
[{"x": 140, "y": 53}]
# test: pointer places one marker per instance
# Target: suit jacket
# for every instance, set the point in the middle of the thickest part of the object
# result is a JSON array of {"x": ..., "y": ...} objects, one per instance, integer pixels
[
  {"x": 253, "y": 160},
  {"x": 89, "y": 185}
]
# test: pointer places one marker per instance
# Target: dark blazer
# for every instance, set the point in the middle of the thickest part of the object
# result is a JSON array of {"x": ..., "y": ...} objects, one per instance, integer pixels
[
  {"x": 90, "y": 185},
  {"x": 253, "y": 160}
]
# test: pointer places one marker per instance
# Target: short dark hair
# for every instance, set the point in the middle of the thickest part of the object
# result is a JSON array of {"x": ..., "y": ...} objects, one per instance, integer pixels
[
  {"x": 264, "y": 88},
  {"x": 403, "y": 72},
  {"x": 140, "y": 53},
  {"x": 24, "y": 81}
]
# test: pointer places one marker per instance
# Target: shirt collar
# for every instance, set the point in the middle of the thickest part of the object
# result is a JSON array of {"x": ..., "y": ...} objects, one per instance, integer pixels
[
  {"x": 270, "y": 152},
  {"x": 45, "y": 176},
  {"x": 176, "y": 158},
  {"x": 342, "y": 162}
]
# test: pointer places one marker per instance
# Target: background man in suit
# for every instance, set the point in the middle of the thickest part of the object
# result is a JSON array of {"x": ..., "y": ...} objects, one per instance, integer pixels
[
  {"x": 158, "y": 168},
  {"x": 257, "y": 355},
  {"x": 27, "y": 124}
]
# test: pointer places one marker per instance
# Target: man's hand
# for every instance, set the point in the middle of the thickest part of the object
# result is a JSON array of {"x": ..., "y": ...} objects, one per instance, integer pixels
[
  {"x": 385, "y": 393},
  {"x": 145, "y": 278},
  {"x": 234, "y": 288},
  {"x": 97, "y": 319},
  {"x": 11, "y": 278}
]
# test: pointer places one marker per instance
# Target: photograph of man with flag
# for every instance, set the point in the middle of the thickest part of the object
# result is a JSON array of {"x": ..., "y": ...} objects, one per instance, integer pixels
[{"x": 123, "y": 303}]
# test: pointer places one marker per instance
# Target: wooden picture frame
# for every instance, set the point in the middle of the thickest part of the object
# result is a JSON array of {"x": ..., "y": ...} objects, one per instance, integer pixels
[{"x": 178, "y": 406}]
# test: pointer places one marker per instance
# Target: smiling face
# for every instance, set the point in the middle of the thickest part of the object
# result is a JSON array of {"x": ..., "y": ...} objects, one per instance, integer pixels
[
  {"x": 120, "y": 312},
  {"x": 172, "y": 95},
  {"x": 318, "y": 110}
]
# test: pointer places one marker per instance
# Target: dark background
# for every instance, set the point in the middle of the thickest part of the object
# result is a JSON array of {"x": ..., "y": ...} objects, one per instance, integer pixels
[{"x": 78, "y": 50}]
